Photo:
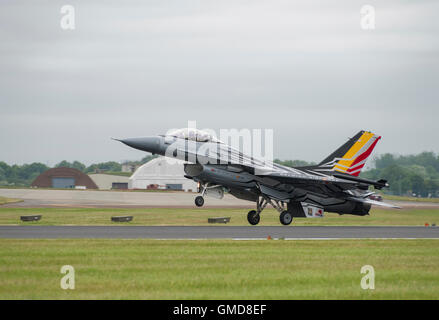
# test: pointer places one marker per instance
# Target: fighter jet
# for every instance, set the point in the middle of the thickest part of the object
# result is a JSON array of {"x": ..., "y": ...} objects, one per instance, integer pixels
[{"x": 332, "y": 185}]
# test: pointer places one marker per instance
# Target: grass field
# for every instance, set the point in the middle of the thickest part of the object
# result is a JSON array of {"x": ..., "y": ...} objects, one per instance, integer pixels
[
  {"x": 223, "y": 269},
  {"x": 4, "y": 200},
  {"x": 197, "y": 216},
  {"x": 401, "y": 198}
]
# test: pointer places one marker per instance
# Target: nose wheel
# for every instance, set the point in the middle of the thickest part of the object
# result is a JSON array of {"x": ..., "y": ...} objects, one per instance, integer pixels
[
  {"x": 253, "y": 217},
  {"x": 199, "y": 201}
]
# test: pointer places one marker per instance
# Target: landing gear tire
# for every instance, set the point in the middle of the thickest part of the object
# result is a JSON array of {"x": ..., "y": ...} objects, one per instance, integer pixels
[
  {"x": 286, "y": 218},
  {"x": 199, "y": 201},
  {"x": 253, "y": 217}
]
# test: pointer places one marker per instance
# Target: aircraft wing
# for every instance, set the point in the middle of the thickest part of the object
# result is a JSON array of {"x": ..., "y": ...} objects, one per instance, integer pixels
[
  {"x": 214, "y": 153},
  {"x": 300, "y": 179},
  {"x": 374, "y": 202}
]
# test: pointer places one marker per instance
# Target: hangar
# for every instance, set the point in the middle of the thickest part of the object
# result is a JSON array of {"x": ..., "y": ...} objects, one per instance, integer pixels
[
  {"x": 160, "y": 173},
  {"x": 63, "y": 178},
  {"x": 109, "y": 181}
]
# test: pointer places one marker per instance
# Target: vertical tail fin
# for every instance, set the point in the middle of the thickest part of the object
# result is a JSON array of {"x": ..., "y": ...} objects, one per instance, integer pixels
[{"x": 351, "y": 157}]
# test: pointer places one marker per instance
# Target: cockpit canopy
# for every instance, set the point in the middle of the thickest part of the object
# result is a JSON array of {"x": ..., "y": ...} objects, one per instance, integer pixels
[{"x": 193, "y": 134}]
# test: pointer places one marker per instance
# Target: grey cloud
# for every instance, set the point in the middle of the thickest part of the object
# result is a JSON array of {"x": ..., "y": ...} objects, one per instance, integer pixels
[{"x": 136, "y": 68}]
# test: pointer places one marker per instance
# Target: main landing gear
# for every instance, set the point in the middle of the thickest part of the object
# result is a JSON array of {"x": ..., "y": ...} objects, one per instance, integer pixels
[
  {"x": 286, "y": 218},
  {"x": 254, "y": 217}
]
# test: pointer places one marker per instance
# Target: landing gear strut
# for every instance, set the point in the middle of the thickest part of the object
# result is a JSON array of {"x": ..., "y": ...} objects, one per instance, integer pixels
[
  {"x": 199, "y": 200},
  {"x": 254, "y": 216},
  {"x": 285, "y": 216}
]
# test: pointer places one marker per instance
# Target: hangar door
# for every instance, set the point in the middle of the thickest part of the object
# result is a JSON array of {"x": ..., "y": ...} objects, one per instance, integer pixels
[
  {"x": 63, "y": 182},
  {"x": 174, "y": 186},
  {"x": 119, "y": 185}
]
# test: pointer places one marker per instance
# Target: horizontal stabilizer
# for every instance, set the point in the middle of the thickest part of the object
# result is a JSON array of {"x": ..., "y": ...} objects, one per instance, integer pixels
[
  {"x": 374, "y": 202},
  {"x": 377, "y": 184}
]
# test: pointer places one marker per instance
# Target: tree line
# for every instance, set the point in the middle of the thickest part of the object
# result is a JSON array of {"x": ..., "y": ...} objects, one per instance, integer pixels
[
  {"x": 24, "y": 175},
  {"x": 413, "y": 175},
  {"x": 408, "y": 175}
]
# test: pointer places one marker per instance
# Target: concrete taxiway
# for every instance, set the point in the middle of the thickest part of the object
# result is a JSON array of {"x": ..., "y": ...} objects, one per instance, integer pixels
[
  {"x": 46, "y": 198},
  {"x": 218, "y": 232}
]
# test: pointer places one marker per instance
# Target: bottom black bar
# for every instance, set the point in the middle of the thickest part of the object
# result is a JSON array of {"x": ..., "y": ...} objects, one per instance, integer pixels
[{"x": 216, "y": 309}]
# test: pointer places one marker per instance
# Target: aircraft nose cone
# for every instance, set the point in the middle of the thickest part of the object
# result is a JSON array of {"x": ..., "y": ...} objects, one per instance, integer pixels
[{"x": 150, "y": 144}]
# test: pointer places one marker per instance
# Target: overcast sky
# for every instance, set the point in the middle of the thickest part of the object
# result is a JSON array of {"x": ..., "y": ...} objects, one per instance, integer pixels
[{"x": 305, "y": 69}]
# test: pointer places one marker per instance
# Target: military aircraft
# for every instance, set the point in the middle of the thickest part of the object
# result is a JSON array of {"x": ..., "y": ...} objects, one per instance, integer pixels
[{"x": 332, "y": 185}]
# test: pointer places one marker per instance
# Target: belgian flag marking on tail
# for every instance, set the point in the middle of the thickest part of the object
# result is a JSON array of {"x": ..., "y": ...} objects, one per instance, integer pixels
[{"x": 351, "y": 157}]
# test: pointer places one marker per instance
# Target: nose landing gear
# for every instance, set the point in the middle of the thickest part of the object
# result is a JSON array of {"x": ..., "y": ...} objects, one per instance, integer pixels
[{"x": 199, "y": 201}]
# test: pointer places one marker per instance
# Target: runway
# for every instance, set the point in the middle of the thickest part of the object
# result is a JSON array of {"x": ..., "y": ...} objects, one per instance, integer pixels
[{"x": 217, "y": 232}]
